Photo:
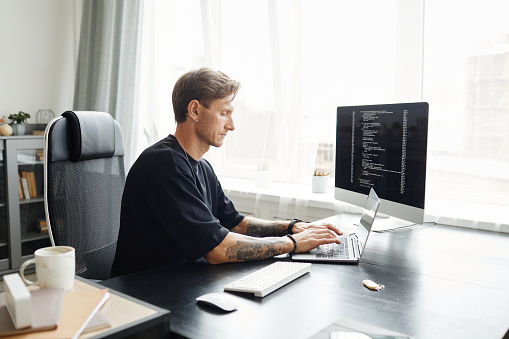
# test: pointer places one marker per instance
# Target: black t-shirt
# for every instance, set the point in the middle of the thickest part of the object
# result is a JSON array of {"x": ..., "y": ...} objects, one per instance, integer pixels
[{"x": 173, "y": 210}]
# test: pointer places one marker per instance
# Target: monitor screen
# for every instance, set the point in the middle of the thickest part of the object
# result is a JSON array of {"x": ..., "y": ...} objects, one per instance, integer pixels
[{"x": 383, "y": 147}]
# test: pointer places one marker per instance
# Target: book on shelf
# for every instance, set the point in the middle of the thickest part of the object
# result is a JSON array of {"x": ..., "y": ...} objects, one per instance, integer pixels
[
  {"x": 21, "y": 192},
  {"x": 40, "y": 154},
  {"x": 26, "y": 192},
  {"x": 41, "y": 225},
  {"x": 32, "y": 186},
  {"x": 35, "y": 132},
  {"x": 46, "y": 309}
]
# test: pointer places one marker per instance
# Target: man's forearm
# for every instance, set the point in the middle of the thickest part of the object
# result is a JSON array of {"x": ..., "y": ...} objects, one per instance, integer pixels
[
  {"x": 237, "y": 247},
  {"x": 261, "y": 228},
  {"x": 255, "y": 249}
]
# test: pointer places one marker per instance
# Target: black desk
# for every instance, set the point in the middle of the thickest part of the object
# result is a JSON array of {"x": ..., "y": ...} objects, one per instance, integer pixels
[{"x": 441, "y": 282}]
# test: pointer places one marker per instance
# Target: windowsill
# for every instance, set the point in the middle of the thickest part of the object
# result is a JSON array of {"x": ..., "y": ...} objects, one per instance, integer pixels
[
  {"x": 277, "y": 191},
  {"x": 473, "y": 215}
]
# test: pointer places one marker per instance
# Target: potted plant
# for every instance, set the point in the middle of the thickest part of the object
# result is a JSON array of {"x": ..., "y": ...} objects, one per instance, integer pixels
[
  {"x": 18, "y": 122},
  {"x": 320, "y": 181}
]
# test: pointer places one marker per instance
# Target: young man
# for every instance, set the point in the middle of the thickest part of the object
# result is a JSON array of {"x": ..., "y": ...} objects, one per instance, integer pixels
[{"x": 173, "y": 207}]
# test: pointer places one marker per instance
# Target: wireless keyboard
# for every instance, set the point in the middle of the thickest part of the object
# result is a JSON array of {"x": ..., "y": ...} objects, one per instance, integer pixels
[{"x": 269, "y": 278}]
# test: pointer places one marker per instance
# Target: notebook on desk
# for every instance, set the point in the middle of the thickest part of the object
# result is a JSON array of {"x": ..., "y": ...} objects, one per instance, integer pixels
[{"x": 352, "y": 246}]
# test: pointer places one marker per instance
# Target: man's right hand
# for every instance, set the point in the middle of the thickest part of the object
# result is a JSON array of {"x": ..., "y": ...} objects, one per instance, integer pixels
[{"x": 313, "y": 237}]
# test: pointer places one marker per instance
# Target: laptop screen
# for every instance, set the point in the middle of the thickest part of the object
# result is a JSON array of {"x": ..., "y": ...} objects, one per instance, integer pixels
[{"x": 367, "y": 218}]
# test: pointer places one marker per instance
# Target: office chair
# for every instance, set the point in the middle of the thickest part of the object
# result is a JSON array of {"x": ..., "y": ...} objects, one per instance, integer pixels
[{"x": 83, "y": 184}]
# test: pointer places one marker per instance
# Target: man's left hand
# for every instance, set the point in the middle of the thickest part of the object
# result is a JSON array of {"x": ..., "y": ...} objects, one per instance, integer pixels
[{"x": 302, "y": 226}]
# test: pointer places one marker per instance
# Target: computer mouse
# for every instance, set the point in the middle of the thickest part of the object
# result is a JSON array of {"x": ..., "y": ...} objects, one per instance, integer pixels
[{"x": 219, "y": 300}]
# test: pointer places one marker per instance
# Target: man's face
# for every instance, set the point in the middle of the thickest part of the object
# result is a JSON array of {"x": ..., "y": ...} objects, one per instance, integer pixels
[{"x": 215, "y": 122}]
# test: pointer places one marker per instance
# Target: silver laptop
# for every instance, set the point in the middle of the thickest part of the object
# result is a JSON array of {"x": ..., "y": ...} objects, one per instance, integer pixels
[{"x": 352, "y": 246}]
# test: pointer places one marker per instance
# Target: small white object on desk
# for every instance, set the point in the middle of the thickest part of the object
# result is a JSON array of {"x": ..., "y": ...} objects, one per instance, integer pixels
[
  {"x": 18, "y": 300},
  {"x": 373, "y": 285}
]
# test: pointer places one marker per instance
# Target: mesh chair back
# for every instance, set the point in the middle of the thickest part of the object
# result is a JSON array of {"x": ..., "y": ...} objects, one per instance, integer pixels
[{"x": 84, "y": 181}]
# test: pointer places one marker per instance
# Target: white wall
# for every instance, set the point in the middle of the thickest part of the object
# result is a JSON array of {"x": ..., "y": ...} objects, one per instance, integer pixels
[{"x": 38, "y": 53}]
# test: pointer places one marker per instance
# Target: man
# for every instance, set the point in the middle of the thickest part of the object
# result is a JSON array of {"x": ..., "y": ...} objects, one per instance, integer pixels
[{"x": 173, "y": 207}]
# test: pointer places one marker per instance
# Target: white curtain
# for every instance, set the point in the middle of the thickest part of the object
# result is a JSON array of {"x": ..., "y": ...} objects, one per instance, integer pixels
[
  {"x": 299, "y": 60},
  {"x": 106, "y": 76},
  {"x": 260, "y": 48}
]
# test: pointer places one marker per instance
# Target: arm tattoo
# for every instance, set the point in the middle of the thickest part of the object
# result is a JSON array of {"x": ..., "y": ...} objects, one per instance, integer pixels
[
  {"x": 262, "y": 228},
  {"x": 255, "y": 249}
]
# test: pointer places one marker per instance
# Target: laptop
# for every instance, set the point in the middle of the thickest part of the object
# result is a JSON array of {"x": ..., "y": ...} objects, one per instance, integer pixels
[{"x": 352, "y": 246}]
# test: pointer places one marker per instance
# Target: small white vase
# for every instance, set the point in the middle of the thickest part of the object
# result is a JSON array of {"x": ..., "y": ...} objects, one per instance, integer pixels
[
  {"x": 319, "y": 184},
  {"x": 18, "y": 129}
]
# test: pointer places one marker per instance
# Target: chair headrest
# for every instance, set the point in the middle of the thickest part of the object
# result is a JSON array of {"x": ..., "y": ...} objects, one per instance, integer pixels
[{"x": 91, "y": 135}]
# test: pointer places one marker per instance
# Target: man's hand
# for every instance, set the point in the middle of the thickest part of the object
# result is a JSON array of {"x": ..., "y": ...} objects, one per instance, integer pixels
[
  {"x": 303, "y": 226},
  {"x": 311, "y": 237}
]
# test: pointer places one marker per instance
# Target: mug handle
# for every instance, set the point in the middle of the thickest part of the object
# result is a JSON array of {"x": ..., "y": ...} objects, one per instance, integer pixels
[{"x": 22, "y": 272}]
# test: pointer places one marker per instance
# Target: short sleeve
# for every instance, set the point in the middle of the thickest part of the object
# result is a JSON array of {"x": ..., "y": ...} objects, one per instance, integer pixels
[{"x": 178, "y": 206}]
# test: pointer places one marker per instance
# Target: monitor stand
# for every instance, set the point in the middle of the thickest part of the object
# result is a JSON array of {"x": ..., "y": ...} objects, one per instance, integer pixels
[
  {"x": 385, "y": 222},
  {"x": 348, "y": 222}
]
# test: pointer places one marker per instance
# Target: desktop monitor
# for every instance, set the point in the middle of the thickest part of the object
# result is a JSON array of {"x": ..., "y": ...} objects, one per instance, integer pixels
[{"x": 383, "y": 147}]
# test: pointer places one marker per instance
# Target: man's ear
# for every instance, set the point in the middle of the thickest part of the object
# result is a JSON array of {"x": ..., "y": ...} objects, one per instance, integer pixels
[{"x": 192, "y": 109}]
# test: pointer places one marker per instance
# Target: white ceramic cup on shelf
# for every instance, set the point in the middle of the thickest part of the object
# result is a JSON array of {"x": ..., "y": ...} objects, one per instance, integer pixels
[{"x": 54, "y": 267}]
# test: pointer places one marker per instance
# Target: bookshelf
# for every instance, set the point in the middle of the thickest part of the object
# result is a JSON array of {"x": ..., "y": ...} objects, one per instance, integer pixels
[{"x": 21, "y": 204}]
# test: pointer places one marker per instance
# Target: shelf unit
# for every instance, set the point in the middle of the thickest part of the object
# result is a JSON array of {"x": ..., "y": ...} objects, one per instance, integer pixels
[{"x": 19, "y": 237}]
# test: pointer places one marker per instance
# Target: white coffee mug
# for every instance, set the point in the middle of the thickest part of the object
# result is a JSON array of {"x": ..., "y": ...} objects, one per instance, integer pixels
[{"x": 54, "y": 267}]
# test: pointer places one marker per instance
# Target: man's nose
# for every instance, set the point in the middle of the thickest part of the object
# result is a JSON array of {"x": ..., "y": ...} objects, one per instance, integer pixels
[{"x": 230, "y": 125}]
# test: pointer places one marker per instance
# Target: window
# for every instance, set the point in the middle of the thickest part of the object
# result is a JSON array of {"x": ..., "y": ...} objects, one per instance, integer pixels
[
  {"x": 299, "y": 60},
  {"x": 466, "y": 82}
]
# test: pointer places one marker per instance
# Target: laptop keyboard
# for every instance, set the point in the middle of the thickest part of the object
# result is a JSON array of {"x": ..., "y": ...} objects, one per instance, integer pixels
[{"x": 333, "y": 251}]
